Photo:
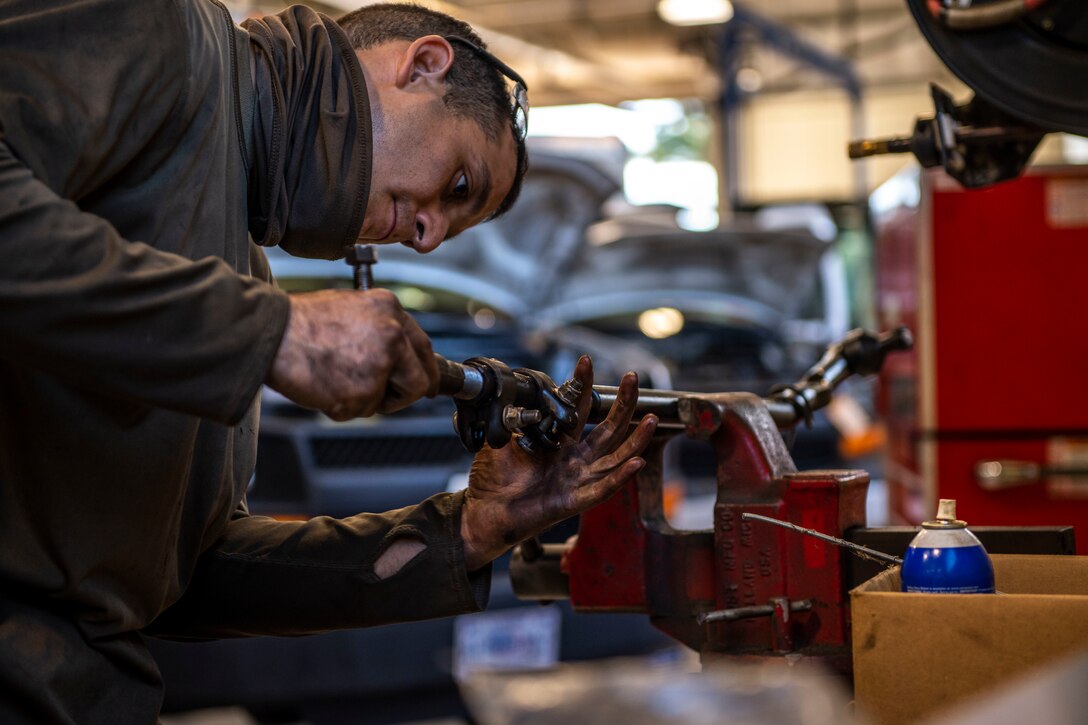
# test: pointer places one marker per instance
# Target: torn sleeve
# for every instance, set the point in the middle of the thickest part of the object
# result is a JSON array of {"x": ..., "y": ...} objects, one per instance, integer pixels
[{"x": 266, "y": 577}]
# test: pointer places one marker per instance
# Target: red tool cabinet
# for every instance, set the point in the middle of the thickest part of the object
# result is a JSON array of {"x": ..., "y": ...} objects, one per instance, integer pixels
[{"x": 994, "y": 284}]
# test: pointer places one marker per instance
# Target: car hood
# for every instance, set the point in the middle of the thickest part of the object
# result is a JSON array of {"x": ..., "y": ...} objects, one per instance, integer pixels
[{"x": 756, "y": 277}]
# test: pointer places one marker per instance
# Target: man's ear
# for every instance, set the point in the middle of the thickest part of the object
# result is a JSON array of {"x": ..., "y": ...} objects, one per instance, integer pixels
[{"x": 425, "y": 63}]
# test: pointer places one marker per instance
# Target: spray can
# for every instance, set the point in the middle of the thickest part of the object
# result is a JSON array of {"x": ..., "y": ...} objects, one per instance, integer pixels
[{"x": 946, "y": 558}]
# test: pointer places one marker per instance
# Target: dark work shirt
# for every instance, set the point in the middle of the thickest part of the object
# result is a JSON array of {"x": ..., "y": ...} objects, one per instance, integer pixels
[{"x": 137, "y": 323}]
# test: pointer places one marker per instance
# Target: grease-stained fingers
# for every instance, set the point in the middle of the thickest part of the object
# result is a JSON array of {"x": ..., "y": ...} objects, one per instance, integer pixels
[
  {"x": 609, "y": 432},
  {"x": 631, "y": 446},
  {"x": 421, "y": 347},
  {"x": 583, "y": 372},
  {"x": 360, "y": 403},
  {"x": 409, "y": 382},
  {"x": 600, "y": 490},
  {"x": 413, "y": 369}
]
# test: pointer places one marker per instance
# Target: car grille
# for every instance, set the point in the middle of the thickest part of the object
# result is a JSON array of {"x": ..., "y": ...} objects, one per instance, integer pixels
[{"x": 350, "y": 452}]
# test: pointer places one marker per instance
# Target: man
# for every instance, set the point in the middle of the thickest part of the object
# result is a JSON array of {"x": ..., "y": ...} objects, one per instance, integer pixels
[{"x": 146, "y": 149}]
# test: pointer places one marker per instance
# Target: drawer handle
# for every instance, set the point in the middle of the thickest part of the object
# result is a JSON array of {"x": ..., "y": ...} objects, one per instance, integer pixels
[{"x": 1000, "y": 474}]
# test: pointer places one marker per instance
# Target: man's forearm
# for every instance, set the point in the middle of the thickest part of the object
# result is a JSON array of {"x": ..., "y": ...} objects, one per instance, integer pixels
[{"x": 267, "y": 577}]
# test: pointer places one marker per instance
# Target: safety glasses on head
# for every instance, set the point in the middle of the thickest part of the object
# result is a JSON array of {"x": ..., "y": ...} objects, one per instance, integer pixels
[{"x": 519, "y": 109}]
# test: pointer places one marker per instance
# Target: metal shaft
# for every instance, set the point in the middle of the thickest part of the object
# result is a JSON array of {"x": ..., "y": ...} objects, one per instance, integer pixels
[
  {"x": 878, "y": 147},
  {"x": 457, "y": 380},
  {"x": 862, "y": 551},
  {"x": 362, "y": 257}
]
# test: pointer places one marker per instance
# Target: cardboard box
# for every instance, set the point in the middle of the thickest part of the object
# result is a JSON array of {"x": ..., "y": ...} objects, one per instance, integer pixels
[{"x": 917, "y": 654}]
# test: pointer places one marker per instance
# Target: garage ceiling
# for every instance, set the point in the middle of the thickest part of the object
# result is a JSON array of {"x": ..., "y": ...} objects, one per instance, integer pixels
[{"x": 609, "y": 51}]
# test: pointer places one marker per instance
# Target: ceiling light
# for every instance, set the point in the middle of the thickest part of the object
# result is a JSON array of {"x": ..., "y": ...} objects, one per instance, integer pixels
[{"x": 694, "y": 12}]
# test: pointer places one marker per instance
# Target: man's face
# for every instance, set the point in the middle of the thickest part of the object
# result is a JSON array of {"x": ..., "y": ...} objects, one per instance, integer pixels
[{"x": 434, "y": 175}]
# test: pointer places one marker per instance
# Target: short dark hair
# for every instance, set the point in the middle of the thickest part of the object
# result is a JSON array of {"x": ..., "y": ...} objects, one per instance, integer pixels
[{"x": 474, "y": 88}]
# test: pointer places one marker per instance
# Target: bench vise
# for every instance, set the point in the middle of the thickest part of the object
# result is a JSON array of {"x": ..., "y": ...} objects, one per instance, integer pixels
[{"x": 743, "y": 587}]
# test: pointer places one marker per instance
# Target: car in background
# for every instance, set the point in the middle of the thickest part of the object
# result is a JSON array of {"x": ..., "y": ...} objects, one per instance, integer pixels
[{"x": 739, "y": 309}]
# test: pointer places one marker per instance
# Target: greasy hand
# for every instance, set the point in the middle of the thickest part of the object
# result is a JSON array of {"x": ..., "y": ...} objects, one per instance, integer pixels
[
  {"x": 350, "y": 353},
  {"x": 513, "y": 494}
]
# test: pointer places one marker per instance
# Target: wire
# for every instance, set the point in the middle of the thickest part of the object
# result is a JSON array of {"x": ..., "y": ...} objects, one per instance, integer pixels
[{"x": 863, "y": 551}]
